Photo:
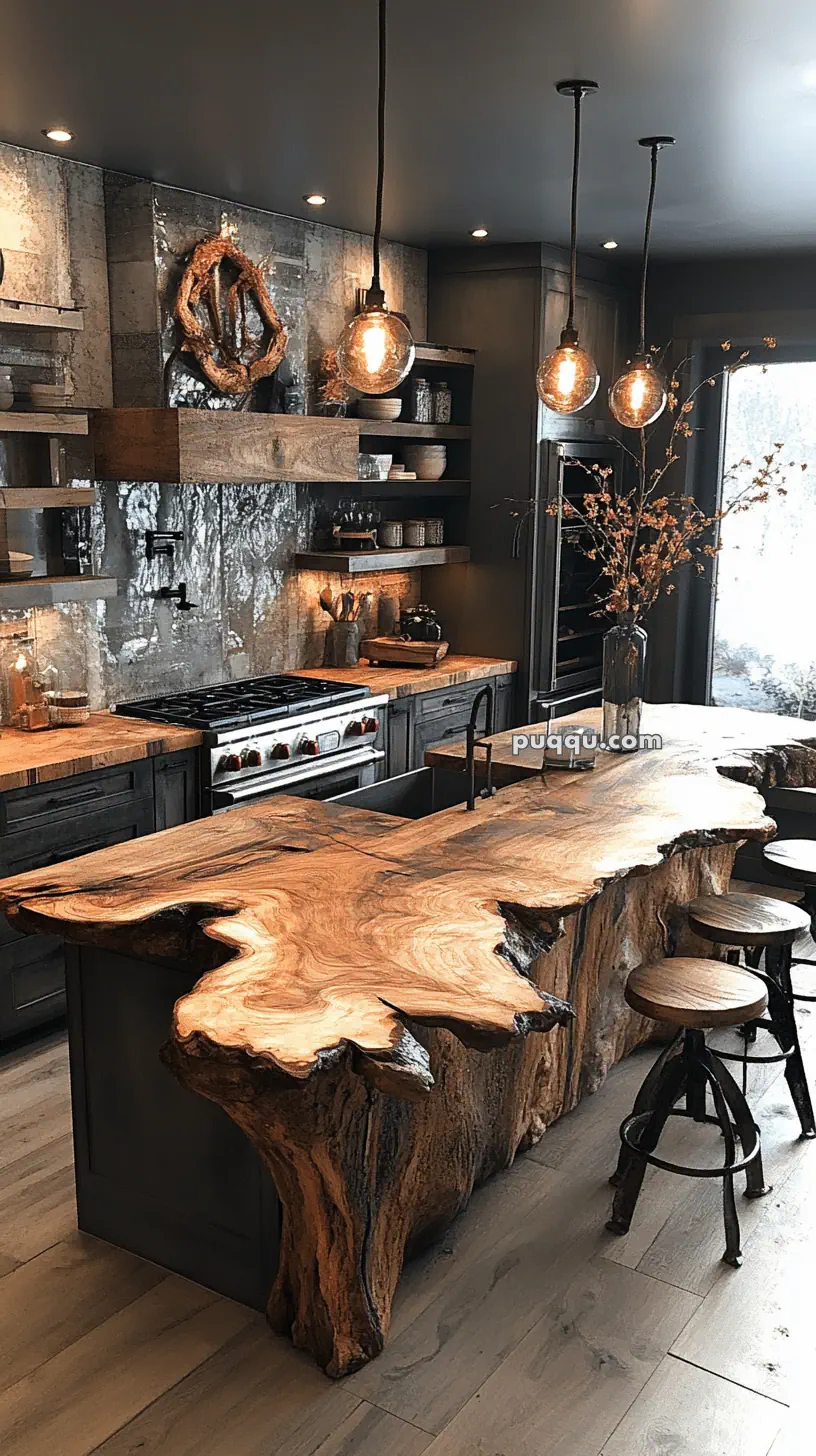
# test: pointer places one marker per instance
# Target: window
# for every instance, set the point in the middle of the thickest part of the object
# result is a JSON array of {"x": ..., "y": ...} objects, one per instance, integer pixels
[{"x": 765, "y": 610}]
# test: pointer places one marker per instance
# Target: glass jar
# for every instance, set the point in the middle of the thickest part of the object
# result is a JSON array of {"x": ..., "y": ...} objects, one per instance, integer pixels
[
  {"x": 434, "y": 531},
  {"x": 442, "y": 403},
  {"x": 624, "y": 670},
  {"x": 421, "y": 402},
  {"x": 413, "y": 533},
  {"x": 28, "y": 688}
]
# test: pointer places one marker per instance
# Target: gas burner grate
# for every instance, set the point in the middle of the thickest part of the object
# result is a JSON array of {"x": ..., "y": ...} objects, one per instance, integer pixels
[{"x": 241, "y": 704}]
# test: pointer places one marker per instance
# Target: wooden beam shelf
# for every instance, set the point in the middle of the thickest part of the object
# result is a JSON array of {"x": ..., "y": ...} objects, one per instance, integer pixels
[
  {"x": 46, "y": 498},
  {"x": 39, "y": 315},
  {"x": 438, "y": 354},
  {"x": 413, "y": 432},
  {"x": 47, "y": 591},
  {"x": 403, "y": 559},
  {"x": 179, "y": 446},
  {"x": 42, "y": 422}
]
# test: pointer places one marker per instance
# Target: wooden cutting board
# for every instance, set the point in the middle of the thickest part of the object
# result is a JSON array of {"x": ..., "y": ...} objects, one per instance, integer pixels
[{"x": 402, "y": 653}]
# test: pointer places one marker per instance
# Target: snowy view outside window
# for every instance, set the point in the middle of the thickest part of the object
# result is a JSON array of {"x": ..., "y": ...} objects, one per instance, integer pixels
[{"x": 765, "y": 619}]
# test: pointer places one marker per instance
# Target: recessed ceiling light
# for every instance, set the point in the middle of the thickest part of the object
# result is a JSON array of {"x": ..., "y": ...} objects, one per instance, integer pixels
[
  {"x": 610, "y": 244},
  {"x": 314, "y": 199},
  {"x": 479, "y": 233},
  {"x": 58, "y": 134}
]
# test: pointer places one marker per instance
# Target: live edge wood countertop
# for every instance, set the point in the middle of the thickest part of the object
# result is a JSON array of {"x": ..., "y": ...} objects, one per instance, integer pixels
[
  {"x": 405, "y": 682},
  {"x": 366, "y": 987},
  {"x": 105, "y": 740}
]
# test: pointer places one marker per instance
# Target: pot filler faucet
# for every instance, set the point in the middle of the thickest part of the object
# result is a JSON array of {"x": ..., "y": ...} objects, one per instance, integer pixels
[{"x": 488, "y": 791}]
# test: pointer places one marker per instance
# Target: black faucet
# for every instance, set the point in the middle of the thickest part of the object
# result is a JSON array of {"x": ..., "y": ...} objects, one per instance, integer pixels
[
  {"x": 488, "y": 791},
  {"x": 178, "y": 595}
]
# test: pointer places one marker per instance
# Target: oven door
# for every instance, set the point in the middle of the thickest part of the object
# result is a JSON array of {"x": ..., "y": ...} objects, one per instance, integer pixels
[{"x": 319, "y": 781}]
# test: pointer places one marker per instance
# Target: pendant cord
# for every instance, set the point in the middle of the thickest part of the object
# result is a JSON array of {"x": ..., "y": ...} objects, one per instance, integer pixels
[
  {"x": 380, "y": 145},
  {"x": 576, "y": 158},
  {"x": 647, "y": 235}
]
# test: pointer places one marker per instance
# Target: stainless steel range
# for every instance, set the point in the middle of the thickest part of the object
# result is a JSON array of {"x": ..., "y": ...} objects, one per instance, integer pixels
[{"x": 273, "y": 735}]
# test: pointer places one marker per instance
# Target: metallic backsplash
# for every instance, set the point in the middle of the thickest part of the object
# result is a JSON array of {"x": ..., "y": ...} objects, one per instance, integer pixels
[{"x": 253, "y": 612}]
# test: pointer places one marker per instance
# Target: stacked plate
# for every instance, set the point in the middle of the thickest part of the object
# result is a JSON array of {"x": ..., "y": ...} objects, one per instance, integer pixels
[
  {"x": 379, "y": 409},
  {"x": 428, "y": 461}
]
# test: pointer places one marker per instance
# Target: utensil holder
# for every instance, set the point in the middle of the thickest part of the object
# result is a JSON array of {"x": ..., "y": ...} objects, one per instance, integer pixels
[{"x": 342, "y": 645}]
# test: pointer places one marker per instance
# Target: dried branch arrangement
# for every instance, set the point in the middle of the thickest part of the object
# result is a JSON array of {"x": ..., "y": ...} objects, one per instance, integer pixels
[{"x": 640, "y": 533}]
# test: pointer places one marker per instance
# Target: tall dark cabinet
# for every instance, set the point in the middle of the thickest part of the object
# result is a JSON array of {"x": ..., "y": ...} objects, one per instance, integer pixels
[{"x": 510, "y": 304}]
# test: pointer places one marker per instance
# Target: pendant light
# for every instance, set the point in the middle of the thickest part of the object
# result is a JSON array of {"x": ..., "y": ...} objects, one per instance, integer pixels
[
  {"x": 376, "y": 350},
  {"x": 638, "y": 398},
  {"x": 568, "y": 378}
]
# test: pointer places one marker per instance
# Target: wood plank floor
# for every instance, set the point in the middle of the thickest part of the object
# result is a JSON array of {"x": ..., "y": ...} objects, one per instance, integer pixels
[{"x": 529, "y": 1331}]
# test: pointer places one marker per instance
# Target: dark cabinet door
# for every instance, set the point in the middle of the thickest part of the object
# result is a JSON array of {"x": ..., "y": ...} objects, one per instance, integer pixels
[
  {"x": 400, "y": 737},
  {"x": 176, "y": 785},
  {"x": 44, "y": 825}
]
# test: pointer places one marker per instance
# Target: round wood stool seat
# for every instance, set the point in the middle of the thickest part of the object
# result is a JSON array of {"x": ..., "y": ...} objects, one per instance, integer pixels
[
  {"x": 749, "y": 920},
  {"x": 690, "y": 991},
  {"x": 794, "y": 859}
]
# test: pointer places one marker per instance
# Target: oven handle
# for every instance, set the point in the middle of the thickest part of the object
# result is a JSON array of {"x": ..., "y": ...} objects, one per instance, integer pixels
[{"x": 225, "y": 798}]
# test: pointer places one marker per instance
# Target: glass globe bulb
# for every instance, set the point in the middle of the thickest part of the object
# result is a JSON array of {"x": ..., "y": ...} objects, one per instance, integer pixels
[
  {"x": 638, "y": 398},
  {"x": 375, "y": 351},
  {"x": 568, "y": 378}
]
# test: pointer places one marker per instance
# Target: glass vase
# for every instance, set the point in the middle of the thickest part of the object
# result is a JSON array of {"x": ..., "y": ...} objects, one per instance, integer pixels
[{"x": 624, "y": 666}]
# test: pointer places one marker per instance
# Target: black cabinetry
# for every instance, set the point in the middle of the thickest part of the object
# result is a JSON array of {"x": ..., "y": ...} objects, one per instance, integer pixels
[
  {"x": 425, "y": 720},
  {"x": 51, "y": 822}
]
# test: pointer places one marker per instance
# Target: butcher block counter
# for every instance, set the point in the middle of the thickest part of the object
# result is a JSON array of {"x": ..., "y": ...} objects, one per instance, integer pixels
[
  {"x": 105, "y": 740},
  {"x": 406, "y": 682},
  {"x": 388, "y": 1011}
]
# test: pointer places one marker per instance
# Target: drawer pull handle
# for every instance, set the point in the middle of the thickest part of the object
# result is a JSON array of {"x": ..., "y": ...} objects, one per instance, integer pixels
[{"x": 93, "y": 791}]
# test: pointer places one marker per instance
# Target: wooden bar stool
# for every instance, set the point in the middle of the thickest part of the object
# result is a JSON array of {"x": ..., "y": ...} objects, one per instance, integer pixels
[
  {"x": 757, "y": 924},
  {"x": 695, "y": 995}
]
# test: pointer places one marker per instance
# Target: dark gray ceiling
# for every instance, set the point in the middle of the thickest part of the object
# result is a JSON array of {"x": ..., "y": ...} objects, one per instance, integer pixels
[{"x": 262, "y": 101}]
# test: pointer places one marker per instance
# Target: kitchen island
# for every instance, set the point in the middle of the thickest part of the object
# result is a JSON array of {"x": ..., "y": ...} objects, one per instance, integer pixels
[{"x": 361, "y": 995}]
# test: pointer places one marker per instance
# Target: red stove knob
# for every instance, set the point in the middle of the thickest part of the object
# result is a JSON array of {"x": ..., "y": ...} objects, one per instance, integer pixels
[
  {"x": 355, "y": 729},
  {"x": 230, "y": 763},
  {"x": 281, "y": 750},
  {"x": 310, "y": 746},
  {"x": 371, "y": 725},
  {"x": 252, "y": 758}
]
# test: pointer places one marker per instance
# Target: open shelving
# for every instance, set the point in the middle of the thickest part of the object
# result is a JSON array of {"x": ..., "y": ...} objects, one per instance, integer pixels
[
  {"x": 49, "y": 591},
  {"x": 403, "y": 558},
  {"x": 42, "y": 422},
  {"x": 40, "y": 315},
  {"x": 45, "y": 498}
]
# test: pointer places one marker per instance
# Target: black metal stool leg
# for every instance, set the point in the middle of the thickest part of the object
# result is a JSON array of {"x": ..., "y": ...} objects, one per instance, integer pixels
[
  {"x": 733, "y": 1251},
  {"x": 644, "y": 1102},
  {"x": 671, "y": 1088},
  {"x": 747, "y": 1130},
  {"x": 753, "y": 959},
  {"x": 778, "y": 965}
]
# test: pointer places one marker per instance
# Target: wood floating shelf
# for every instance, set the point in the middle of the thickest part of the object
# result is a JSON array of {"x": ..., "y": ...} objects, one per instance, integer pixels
[
  {"x": 42, "y": 422},
  {"x": 413, "y": 432},
  {"x": 438, "y": 354},
  {"x": 40, "y": 316},
  {"x": 403, "y": 559},
  {"x": 178, "y": 446},
  {"x": 14, "y": 498},
  {"x": 48, "y": 591}
]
